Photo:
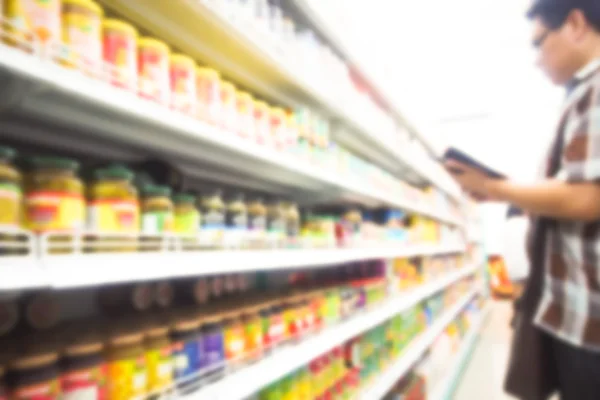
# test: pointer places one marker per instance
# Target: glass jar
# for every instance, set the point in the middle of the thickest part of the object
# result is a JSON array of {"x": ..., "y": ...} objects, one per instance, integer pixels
[
  {"x": 228, "y": 106},
  {"x": 83, "y": 372},
  {"x": 127, "y": 374},
  {"x": 10, "y": 190},
  {"x": 233, "y": 331},
  {"x": 236, "y": 220},
  {"x": 113, "y": 205},
  {"x": 81, "y": 32},
  {"x": 54, "y": 196},
  {"x": 187, "y": 216},
  {"x": 119, "y": 43},
  {"x": 276, "y": 223},
  {"x": 245, "y": 114},
  {"x": 292, "y": 220},
  {"x": 213, "y": 343},
  {"x": 159, "y": 361},
  {"x": 34, "y": 376},
  {"x": 257, "y": 221},
  {"x": 157, "y": 210},
  {"x": 208, "y": 88},
  {"x": 153, "y": 70},
  {"x": 183, "y": 83},
  {"x": 262, "y": 123},
  {"x": 253, "y": 332},
  {"x": 212, "y": 209},
  {"x": 187, "y": 352}
]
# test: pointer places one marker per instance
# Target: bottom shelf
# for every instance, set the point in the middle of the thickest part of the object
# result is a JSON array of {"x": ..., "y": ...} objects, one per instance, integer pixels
[
  {"x": 445, "y": 389},
  {"x": 415, "y": 350}
]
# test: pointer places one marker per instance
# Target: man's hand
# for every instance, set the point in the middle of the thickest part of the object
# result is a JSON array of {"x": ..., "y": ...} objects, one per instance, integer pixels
[{"x": 471, "y": 180}]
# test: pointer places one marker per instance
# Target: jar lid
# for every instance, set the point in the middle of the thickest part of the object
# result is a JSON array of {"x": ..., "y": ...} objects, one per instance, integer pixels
[
  {"x": 82, "y": 349},
  {"x": 228, "y": 86},
  {"x": 54, "y": 162},
  {"x": 157, "y": 331},
  {"x": 111, "y": 23},
  {"x": 178, "y": 58},
  {"x": 126, "y": 338},
  {"x": 116, "y": 171},
  {"x": 184, "y": 198},
  {"x": 209, "y": 72},
  {"x": 34, "y": 360},
  {"x": 152, "y": 42},
  {"x": 95, "y": 8},
  {"x": 156, "y": 190},
  {"x": 7, "y": 153}
]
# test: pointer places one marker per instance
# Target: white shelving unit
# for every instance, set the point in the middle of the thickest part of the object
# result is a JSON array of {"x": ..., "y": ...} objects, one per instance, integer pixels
[
  {"x": 414, "y": 352},
  {"x": 253, "y": 378},
  {"x": 95, "y": 108},
  {"x": 65, "y": 271}
]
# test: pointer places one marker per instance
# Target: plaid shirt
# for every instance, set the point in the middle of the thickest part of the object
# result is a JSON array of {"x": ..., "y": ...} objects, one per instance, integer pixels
[{"x": 570, "y": 304}]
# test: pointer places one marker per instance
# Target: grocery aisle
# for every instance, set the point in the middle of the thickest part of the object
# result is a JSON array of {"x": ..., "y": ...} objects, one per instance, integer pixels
[{"x": 485, "y": 371}]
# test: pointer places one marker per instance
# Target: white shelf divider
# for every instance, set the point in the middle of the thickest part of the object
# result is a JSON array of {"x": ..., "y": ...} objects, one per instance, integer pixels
[
  {"x": 415, "y": 351},
  {"x": 251, "y": 379}
]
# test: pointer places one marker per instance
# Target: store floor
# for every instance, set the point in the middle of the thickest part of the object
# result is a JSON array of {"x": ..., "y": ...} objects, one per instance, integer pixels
[{"x": 484, "y": 375}]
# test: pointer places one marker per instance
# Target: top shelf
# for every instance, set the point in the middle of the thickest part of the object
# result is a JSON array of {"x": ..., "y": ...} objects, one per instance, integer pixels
[{"x": 211, "y": 32}]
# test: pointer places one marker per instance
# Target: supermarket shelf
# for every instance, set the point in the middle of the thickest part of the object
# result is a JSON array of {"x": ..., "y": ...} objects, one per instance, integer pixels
[
  {"x": 209, "y": 32},
  {"x": 316, "y": 12},
  {"x": 446, "y": 388},
  {"x": 65, "y": 100},
  {"x": 253, "y": 378},
  {"x": 414, "y": 352},
  {"x": 64, "y": 271}
]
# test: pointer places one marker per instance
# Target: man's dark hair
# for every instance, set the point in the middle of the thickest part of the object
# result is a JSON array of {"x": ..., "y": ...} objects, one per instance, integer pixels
[{"x": 554, "y": 13}]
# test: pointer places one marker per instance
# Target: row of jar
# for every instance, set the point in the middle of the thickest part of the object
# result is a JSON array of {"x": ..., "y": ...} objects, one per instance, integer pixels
[
  {"x": 110, "y": 358},
  {"x": 52, "y": 198},
  {"x": 113, "y": 50}
]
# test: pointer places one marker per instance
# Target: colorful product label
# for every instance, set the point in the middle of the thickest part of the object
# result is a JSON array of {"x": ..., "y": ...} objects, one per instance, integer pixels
[
  {"x": 214, "y": 351},
  {"x": 113, "y": 216},
  {"x": 49, "y": 390},
  {"x": 87, "y": 384},
  {"x": 157, "y": 222},
  {"x": 127, "y": 379},
  {"x": 186, "y": 358},
  {"x": 10, "y": 204},
  {"x": 183, "y": 88},
  {"x": 234, "y": 342},
  {"x": 160, "y": 368},
  {"x": 254, "y": 336},
  {"x": 82, "y": 33},
  {"x": 153, "y": 71},
  {"x": 187, "y": 222},
  {"x": 54, "y": 211},
  {"x": 41, "y": 17},
  {"x": 208, "y": 98},
  {"x": 120, "y": 53}
]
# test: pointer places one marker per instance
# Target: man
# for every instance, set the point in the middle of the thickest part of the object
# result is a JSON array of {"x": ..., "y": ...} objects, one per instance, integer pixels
[{"x": 566, "y": 35}]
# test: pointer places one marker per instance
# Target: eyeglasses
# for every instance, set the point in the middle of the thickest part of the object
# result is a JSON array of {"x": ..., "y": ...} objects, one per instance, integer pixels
[{"x": 539, "y": 42}]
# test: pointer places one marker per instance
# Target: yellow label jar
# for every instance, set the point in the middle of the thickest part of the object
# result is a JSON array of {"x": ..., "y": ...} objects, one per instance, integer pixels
[
  {"x": 119, "y": 52},
  {"x": 127, "y": 374},
  {"x": 187, "y": 216},
  {"x": 29, "y": 20},
  {"x": 208, "y": 89},
  {"x": 157, "y": 210},
  {"x": 113, "y": 205},
  {"x": 54, "y": 200},
  {"x": 82, "y": 34},
  {"x": 10, "y": 190},
  {"x": 159, "y": 360},
  {"x": 183, "y": 83},
  {"x": 153, "y": 70}
]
